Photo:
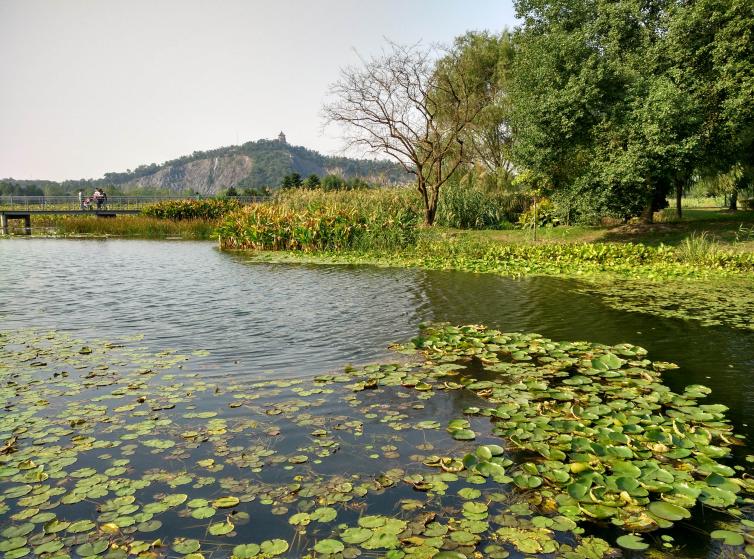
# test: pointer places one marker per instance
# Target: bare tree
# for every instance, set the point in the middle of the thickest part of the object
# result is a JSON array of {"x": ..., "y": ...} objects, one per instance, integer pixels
[{"x": 399, "y": 105}]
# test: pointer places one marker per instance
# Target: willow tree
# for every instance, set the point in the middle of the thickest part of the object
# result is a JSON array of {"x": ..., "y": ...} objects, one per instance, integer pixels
[
  {"x": 486, "y": 59},
  {"x": 398, "y": 104}
]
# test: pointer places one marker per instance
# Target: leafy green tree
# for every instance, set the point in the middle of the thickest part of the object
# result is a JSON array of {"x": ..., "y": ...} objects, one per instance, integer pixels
[
  {"x": 599, "y": 108},
  {"x": 231, "y": 192},
  {"x": 485, "y": 61},
  {"x": 292, "y": 180},
  {"x": 312, "y": 181},
  {"x": 333, "y": 182},
  {"x": 711, "y": 45}
]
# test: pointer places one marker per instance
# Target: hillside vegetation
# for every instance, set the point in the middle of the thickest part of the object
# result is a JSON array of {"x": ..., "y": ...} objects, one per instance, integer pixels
[{"x": 264, "y": 163}]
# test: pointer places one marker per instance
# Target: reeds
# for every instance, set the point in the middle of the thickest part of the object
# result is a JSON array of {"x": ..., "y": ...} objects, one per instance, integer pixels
[
  {"x": 316, "y": 220},
  {"x": 698, "y": 249},
  {"x": 472, "y": 208},
  {"x": 210, "y": 208},
  {"x": 133, "y": 226}
]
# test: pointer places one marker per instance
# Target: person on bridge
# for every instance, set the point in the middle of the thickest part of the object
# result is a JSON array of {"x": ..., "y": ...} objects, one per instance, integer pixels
[{"x": 99, "y": 197}]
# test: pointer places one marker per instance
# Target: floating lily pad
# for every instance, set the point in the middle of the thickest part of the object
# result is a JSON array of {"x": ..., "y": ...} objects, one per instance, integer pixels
[
  {"x": 246, "y": 551},
  {"x": 632, "y": 541},
  {"x": 728, "y": 537},
  {"x": 185, "y": 546},
  {"x": 329, "y": 547}
]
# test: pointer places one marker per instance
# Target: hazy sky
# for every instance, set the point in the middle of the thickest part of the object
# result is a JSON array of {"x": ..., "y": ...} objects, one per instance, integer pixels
[{"x": 89, "y": 86}]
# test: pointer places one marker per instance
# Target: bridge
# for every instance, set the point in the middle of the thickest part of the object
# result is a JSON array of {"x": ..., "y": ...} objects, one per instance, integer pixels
[{"x": 23, "y": 207}]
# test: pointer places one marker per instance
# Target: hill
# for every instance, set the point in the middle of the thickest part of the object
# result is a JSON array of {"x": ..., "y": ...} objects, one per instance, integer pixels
[{"x": 263, "y": 163}]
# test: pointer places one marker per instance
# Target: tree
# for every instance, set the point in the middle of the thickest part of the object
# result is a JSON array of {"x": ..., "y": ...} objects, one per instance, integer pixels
[
  {"x": 391, "y": 104},
  {"x": 231, "y": 192},
  {"x": 312, "y": 181},
  {"x": 292, "y": 180},
  {"x": 599, "y": 106},
  {"x": 486, "y": 60},
  {"x": 712, "y": 45},
  {"x": 333, "y": 182}
]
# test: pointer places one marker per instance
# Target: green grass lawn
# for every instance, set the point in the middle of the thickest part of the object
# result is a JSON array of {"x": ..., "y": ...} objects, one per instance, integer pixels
[{"x": 734, "y": 230}]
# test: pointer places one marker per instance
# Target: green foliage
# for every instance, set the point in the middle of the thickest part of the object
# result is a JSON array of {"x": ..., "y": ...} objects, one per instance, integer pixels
[
  {"x": 210, "y": 208},
  {"x": 617, "y": 104},
  {"x": 256, "y": 192},
  {"x": 312, "y": 181},
  {"x": 541, "y": 215},
  {"x": 292, "y": 180},
  {"x": 12, "y": 188},
  {"x": 698, "y": 249},
  {"x": 483, "y": 61}
]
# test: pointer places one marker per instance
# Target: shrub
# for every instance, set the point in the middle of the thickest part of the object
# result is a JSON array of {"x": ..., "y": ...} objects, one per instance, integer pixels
[
  {"x": 211, "y": 208},
  {"x": 545, "y": 215}
]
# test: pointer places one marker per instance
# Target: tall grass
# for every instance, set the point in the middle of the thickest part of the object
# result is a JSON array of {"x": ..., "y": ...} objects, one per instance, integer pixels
[
  {"x": 698, "y": 249},
  {"x": 384, "y": 202},
  {"x": 135, "y": 226},
  {"x": 210, "y": 208},
  {"x": 472, "y": 208}
]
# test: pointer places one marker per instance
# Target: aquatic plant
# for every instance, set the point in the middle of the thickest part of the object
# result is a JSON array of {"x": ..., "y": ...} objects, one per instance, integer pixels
[
  {"x": 698, "y": 249},
  {"x": 109, "y": 450},
  {"x": 321, "y": 228}
]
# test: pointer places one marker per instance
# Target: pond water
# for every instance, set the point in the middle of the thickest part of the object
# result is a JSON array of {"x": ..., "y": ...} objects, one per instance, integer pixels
[
  {"x": 288, "y": 320},
  {"x": 251, "y": 331}
]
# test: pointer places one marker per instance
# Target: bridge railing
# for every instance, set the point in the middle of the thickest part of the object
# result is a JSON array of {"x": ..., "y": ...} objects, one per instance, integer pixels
[{"x": 11, "y": 202}]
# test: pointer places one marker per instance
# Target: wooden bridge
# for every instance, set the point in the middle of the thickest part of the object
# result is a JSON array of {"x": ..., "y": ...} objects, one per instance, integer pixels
[{"x": 21, "y": 208}]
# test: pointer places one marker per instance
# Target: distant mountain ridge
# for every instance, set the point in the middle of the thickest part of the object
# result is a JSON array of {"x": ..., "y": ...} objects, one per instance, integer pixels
[{"x": 258, "y": 164}]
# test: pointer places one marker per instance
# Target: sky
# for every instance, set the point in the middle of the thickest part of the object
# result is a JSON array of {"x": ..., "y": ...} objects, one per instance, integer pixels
[{"x": 91, "y": 86}]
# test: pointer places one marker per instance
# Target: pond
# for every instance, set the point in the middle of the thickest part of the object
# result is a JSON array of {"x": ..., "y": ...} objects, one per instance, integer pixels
[{"x": 213, "y": 364}]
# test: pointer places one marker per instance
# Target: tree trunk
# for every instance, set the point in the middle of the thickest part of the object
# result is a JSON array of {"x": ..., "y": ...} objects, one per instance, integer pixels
[
  {"x": 431, "y": 210},
  {"x": 678, "y": 198},
  {"x": 733, "y": 206},
  {"x": 647, "y": 215},
  {"x": 429, "y": 218}
]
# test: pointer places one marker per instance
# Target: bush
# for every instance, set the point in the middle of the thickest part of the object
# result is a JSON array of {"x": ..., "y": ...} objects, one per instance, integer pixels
[
  {"x": 545, "y": 215},
  {"x": 211, "y": 208}
]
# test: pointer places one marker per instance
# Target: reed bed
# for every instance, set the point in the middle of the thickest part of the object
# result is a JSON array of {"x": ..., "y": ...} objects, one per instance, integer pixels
[
  {"x": 207, "y": 209},
  {"x": 472, "y": 208},
  {"x": 130, "y": 226},
  {"x": 317, "y": 228}
]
